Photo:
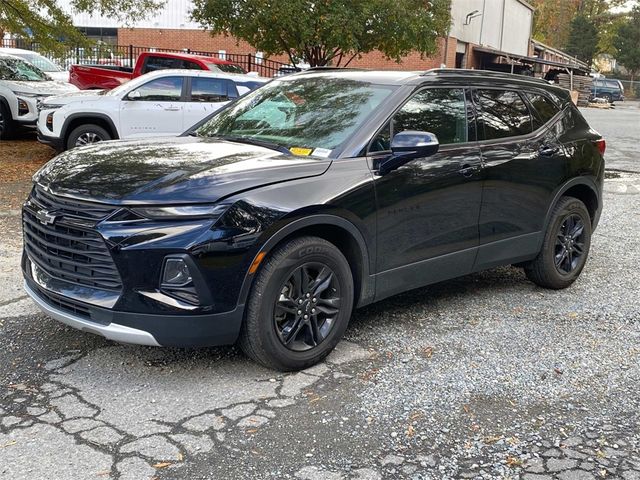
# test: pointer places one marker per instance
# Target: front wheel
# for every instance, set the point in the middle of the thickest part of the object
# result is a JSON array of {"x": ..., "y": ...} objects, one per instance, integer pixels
[
  {"x": 299, "y": 306},
  {"x": 7, "y": 125},
  {"x": 565, "y": 247},
  {"x": 86, "y": 135}
]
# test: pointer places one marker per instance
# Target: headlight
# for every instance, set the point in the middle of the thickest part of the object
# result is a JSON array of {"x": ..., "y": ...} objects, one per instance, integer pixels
[
  {"x": 176, "y": 273},
  {"x": 186, "y": 211}
]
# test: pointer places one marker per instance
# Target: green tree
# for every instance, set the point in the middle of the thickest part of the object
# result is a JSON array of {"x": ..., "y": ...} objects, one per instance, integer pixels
[
  {"x": 583, "y": 39},
  {"x": 627, "y": 42},
  {"x": 47, "y": 24},
  {"x": 329, "y": 32}
]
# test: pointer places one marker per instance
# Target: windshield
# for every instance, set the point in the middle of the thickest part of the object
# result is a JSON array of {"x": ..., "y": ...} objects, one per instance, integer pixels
[
  {"x": 16, "y": 69},
  {"x": 40, "y": 62},
  {"x": 225, "y": 67},
  {"x": 307, "y": 115}
]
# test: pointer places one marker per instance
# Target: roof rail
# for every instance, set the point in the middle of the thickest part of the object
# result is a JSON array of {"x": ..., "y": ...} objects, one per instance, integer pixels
[
  {"x": 481, "y": 73},
  {"x": 332, "y": 68}
]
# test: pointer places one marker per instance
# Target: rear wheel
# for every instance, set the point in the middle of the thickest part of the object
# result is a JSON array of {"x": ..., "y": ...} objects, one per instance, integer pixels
[
  {"x": 565, "y": 248},
  {"x": 7, "y": 125},
  {"x": 299, "y": 306},
  {"x": 607, "y": 97},
  {"x": 86, "y": 135}
]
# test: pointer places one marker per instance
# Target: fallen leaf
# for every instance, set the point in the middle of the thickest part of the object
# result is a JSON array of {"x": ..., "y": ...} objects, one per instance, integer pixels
[
  {"x": 180, "y": 457},
  {"x": 13, "y": 442},
  {"x": 162, "y": 465},
  {"x": 514, "y": 461},
  {"x": 411, "y": 431}
]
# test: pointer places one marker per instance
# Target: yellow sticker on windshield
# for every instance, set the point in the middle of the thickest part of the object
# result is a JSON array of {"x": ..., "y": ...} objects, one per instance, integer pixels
[{"x": 300, "y": 151}]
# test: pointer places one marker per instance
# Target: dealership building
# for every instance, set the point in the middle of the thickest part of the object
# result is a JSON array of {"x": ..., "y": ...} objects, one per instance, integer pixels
[{"x": 490, "y": 34}]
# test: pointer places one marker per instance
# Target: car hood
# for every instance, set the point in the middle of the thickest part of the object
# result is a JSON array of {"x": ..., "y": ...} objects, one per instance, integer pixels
[
  {"x": 44, "y": 88},
  {"x": 84, "y": 95},
  {"x": 179, "y": 170},
  {"x": 61, "y": 76}
]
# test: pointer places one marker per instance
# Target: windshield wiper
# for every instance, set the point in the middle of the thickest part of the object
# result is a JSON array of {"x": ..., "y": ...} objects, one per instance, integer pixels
[{"x": 253, "y": 141}]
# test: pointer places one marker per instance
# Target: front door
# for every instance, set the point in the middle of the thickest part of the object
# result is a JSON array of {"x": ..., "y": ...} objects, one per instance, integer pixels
[
  {"x": 206, "y": 96},
  {"x": 153, "y": 109},
  {"x": 428, "y": 209}
]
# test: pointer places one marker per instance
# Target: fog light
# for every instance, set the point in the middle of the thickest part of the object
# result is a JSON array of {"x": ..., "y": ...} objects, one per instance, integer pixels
[
  {"x": 23, "y": 107},
  {"x": 50, "y": 121},
  {"x": 175, "y": 273}
]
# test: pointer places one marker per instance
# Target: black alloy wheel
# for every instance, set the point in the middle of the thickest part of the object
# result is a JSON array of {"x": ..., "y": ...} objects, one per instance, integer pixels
[
  {"x": 307, "y": 307},
  {"x": 565, "y": 247},
  {"x": 299, "y": 304},
  {"x": 569, "y": 244}
]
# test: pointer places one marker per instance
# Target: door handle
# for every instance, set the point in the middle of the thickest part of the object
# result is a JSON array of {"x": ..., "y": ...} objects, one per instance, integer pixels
[
  {"x": 548, "y": 151},
  {"x": 171, "y": 109},
  {"x": 468, "y": 170}
]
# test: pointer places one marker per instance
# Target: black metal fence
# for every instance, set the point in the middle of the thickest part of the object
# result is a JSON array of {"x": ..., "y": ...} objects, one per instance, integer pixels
[{"x": 126, "y": 56}]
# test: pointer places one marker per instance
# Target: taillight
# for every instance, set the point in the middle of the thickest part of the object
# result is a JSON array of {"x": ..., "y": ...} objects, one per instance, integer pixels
[{"x": 601, "y": 145}]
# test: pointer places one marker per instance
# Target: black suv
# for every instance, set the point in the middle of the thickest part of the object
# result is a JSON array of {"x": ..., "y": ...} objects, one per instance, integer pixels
[{"x": 319, "y": 192}]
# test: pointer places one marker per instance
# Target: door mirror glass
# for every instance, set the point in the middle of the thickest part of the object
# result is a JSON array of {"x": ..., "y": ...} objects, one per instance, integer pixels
[
  {"x": 135, "y": 95},
  {"x": 407, "y": 146}
]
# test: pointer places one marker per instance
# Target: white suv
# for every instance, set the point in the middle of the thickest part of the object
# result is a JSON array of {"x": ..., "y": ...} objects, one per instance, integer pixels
[
  {"x": 165, "y": 102},
  {"x": 22, "y": 89}
]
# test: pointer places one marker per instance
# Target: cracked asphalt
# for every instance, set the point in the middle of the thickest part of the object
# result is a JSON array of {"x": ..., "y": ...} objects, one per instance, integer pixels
[{"x": 485, "y": 376}]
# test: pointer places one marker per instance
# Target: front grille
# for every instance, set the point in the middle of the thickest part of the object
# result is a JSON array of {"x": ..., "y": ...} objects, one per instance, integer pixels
[
  {"x": 65, "y": 303},
  {"x": 76, "y": 254},
  {"x": 69, "y": 207}
]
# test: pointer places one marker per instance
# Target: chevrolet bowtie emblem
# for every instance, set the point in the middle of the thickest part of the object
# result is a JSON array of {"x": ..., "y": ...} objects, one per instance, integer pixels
[{"x": 45, "y": 217}]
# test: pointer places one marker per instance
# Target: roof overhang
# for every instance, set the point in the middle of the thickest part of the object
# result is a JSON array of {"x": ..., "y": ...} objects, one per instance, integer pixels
[{"x": 575, "y": 65}]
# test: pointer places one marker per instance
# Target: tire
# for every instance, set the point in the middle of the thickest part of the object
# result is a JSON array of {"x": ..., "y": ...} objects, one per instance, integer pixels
[
  {"x": 608, "y": 98},
  {"x": 554, "y": 267},
  {"x": 86, "y": 135},
  {"x": 274, "y": 332},
  {"x": 7, "y": 125}
]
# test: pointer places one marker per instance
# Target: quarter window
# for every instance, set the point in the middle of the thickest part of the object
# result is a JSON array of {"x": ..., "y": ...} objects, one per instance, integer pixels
[
  {"x": 166, "y": 89},
  {"x": 440, "y": 111},
  {"x": 543, "y": 109},
  {"x": 501, "y": 114},
  {"x": 212, "y": 90}
]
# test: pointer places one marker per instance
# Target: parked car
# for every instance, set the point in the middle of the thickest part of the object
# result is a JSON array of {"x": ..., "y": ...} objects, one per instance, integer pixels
[
  {"x": 319, "y": 192},
  {"x": 22, "y": 88},
  {"x": 609, "y": 89},
  {"x": 98, "y": 77},
  {"x": 166, "y": 102},
  {"x": 43, "y": 63}
]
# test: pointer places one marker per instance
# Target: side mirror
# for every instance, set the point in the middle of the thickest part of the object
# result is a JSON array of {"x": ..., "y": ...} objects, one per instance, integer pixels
[
  {"x": 407, "y": 146},
  {"x": 135, "y": 95}
]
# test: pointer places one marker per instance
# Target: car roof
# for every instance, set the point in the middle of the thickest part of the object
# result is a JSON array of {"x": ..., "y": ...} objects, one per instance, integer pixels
[
  {"x": 193, "y": 56},
  {"x": 202, "y": 73},
  {"x": 464, "y": 77}
]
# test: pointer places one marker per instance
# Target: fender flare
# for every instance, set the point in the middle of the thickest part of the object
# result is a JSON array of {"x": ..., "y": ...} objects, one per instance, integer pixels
[
  {"x": 584, "y": 181},
  {"x": 367, "y": 289},
  {"x": 88, "y": 116}
]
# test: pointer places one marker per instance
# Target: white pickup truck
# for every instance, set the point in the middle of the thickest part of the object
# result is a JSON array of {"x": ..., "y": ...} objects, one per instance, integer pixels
[{"x": 161, "y": 103}]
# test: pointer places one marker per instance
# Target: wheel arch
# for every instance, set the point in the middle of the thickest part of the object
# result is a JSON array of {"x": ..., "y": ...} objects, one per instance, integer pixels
[
  {"x": 75, "y": 120},
  {"x": 585, "y": 190},
  {"x": 337, "y": 230}
]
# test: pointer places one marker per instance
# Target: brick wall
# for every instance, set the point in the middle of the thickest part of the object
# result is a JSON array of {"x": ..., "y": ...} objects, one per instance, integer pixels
[{"x": 202, "y": 41}]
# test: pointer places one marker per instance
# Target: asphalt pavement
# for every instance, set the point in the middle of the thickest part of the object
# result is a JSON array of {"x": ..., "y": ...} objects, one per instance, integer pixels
[{"x": 486, "y": 376}]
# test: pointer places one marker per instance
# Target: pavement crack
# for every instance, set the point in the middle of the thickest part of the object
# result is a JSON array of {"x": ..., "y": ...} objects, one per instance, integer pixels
[{"x": 12, "y": 300}]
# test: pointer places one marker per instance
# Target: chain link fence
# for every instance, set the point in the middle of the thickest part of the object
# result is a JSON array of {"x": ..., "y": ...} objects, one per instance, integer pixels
[{"x": 631, "y": 89}]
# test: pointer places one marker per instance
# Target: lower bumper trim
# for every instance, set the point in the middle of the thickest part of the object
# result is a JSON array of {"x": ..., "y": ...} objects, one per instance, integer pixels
[{"x": 112, "y": 331}]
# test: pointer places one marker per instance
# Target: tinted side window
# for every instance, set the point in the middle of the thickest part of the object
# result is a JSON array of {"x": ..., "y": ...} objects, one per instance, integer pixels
[
  {"x": 544, "y": 109},
  {"x": 212, "y": 90},
  {"x": 166, "y": 89},
  {"x": 161, "y": 63},
  {"x": 440, "y": 111},
  {"x": 501, "y": 114}
]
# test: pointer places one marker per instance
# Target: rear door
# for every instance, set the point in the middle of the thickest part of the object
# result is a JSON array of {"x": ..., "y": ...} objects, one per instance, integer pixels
[
  {"x": 206, "y": 95},
  {"x": 523, "y": 165},
  {"x": 153, "y": 109}
]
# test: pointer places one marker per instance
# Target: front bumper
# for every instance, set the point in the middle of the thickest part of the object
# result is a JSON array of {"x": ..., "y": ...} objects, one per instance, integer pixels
[
  {"x": 55, "y": 142},
  {"x": 145, "y": 329}
]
